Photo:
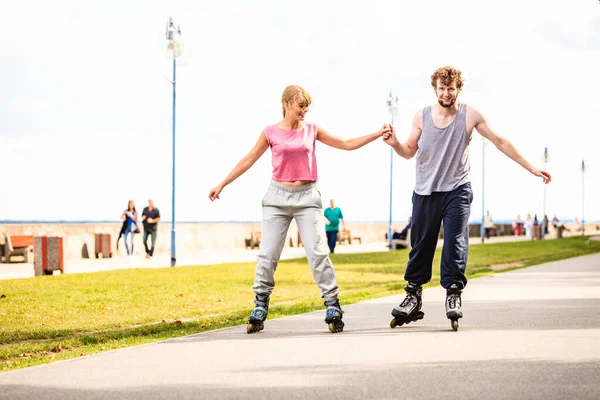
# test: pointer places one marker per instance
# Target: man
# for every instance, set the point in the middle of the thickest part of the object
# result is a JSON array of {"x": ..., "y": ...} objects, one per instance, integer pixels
[
  {"x": 151, "y": 218},
  {"x": 488, "y": 225},
  {"x": 402, "y": 235},
  {"x": 333, "y": 216},
  {"x": 399, "y": 239},
  {"x": 440, "y": 138}
]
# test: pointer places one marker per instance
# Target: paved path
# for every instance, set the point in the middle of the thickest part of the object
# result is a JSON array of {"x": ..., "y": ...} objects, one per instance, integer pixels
[{"x": 528, "y": 334}]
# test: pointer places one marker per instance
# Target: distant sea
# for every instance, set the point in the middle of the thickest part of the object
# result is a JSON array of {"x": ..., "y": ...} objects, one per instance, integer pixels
[
  {"x": 473, "y": 221},
  {"x": 16, "y": 221}
]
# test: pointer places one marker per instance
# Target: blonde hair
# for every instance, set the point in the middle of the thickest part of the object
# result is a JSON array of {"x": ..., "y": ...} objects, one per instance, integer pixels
[{"x": 293, "y": 91}]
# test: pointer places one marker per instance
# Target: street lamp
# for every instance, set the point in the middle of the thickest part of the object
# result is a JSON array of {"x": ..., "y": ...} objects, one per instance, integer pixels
[
  {"x": 582, "y": 201},
  {"x": 174, "y": 50},
  {"x": 482, "y": 189},
  {"x": 544, "y": 227},
  {"x": 393, "y": 110}
]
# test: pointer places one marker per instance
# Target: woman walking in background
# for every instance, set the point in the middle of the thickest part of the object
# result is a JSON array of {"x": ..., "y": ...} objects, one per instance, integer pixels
[
  {"x": 518, "y": 225},
  {"x": 130, "y": 216},
  {"x": 293, "y": 194}
]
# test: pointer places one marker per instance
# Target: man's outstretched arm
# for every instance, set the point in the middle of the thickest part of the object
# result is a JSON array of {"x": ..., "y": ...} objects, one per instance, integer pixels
[{"x": 506, "y": 147}]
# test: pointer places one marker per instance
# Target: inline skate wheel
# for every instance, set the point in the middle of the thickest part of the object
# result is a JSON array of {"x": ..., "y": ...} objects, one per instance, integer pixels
[
  {"x": 455, "y": 325},
  {"x": 396, "y": 322},
  {"x": 336, "y": 327},
  {"x": 254, "y": 328}
]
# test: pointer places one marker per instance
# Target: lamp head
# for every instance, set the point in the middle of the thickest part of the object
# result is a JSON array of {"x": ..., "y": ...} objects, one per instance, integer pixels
[{"x": 170, "y": 33}]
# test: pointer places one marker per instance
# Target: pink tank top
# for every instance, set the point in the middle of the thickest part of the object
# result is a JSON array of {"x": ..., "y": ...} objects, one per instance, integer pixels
[{"x": 293, "y": 153}]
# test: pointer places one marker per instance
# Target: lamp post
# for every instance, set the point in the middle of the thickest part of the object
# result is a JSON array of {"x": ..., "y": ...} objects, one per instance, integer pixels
[
  {"x": 174, "y": 50},
  {"x": 582, "y": 197},
  {"x": 393, "y": 110},
  {"x": 544, "y": 227},
  {"x": 482, "y": 190}
]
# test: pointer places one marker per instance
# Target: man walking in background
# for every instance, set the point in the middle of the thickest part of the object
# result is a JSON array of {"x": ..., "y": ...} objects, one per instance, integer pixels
[
  {"x": 151, "y": 217},
  {"x": 333, "y": 216},
  {"x": 488, "y": 225}
]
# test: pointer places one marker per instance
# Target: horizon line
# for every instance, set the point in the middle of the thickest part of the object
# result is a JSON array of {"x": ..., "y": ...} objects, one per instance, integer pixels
[{"x": 90, "y": 221}]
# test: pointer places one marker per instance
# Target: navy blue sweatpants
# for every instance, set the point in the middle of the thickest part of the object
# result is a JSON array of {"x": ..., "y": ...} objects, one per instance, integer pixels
[{"x": 453, "y": 208}]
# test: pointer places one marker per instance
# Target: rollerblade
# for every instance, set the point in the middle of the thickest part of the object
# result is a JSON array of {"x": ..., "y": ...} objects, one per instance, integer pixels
[
  {"x": 453, "y": 303},
  {"x": 259, "y": 314},
  {"x": 410, "y": 308},
  {"x": 333, "y": 316}
]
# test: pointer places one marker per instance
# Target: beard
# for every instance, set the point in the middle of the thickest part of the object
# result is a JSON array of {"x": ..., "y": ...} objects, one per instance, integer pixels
[{"x": 447, "y": 105}]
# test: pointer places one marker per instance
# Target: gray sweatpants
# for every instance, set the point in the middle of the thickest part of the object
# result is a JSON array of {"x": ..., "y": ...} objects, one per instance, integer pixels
[{"x": 280, "y": 205}]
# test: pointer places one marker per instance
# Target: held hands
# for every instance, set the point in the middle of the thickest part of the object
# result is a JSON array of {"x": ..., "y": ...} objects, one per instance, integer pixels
[
  {"x": 389, "y": 137},
  {"x": 214, "y": 193},
  {"x": 385, "y": 130}
]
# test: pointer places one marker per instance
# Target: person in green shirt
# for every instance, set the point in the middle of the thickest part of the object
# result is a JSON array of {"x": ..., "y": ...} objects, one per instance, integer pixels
[{"x": 333, "y": 216}]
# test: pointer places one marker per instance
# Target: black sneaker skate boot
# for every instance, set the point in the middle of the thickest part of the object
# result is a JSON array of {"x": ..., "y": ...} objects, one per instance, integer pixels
[
  {"x": 333, "y": 316},
  {"x": 259, "y": 314},
  {"x": 410, "y": 308},
  {"x": 453, "y": 303}
]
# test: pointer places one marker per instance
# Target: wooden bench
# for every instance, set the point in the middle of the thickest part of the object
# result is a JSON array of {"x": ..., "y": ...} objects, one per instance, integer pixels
[
  {"x": 345, "y": 235},
  {"x": 398, "y": 244},
  {"x": 20, "y": 241},
  {"x": 254, "y": 240},
  {"x": 17, "y": 245}
]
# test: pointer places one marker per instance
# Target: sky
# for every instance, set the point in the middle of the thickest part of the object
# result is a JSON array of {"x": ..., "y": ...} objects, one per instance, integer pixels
[{"x": 86, "y": 110}]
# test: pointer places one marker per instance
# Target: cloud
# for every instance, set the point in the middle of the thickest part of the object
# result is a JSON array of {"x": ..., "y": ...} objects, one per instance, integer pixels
[{"x": 85, "y": 100}]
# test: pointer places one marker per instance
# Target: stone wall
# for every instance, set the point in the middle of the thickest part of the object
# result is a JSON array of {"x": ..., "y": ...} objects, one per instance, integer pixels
[{"x": 79, "y": 238}]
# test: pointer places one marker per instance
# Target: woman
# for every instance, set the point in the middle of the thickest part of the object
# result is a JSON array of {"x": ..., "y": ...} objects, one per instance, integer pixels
[
  {"x": 130, "y": 217},
  {"x": 293, "y": 194},
  {"x": 518, "y": 225}
]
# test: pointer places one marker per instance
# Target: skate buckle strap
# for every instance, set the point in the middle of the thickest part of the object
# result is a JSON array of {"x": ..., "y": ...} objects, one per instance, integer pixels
[
  {"x": 413, "y": 288},
  {"x": 454, "y": 289},
  {"x": 261, "y": 301},
  {"x": 333, "y": 305}
]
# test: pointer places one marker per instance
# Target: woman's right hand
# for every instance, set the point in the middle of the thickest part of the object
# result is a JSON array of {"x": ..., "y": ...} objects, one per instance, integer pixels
[
  {"x": 385, "y": 131},
  {"x": 214, "y": 193}
]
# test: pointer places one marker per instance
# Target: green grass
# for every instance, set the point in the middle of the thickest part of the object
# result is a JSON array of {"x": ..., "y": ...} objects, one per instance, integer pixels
[{"x": 57, "y": 317}]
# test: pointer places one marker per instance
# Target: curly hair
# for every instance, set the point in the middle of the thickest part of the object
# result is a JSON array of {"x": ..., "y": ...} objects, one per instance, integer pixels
[
  {"x": 293, "y": 91},
  {"x": 447, "y": 75}
]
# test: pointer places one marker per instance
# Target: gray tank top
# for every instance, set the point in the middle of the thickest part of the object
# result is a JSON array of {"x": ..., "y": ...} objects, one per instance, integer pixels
[{"x": 443, "y": 154}]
